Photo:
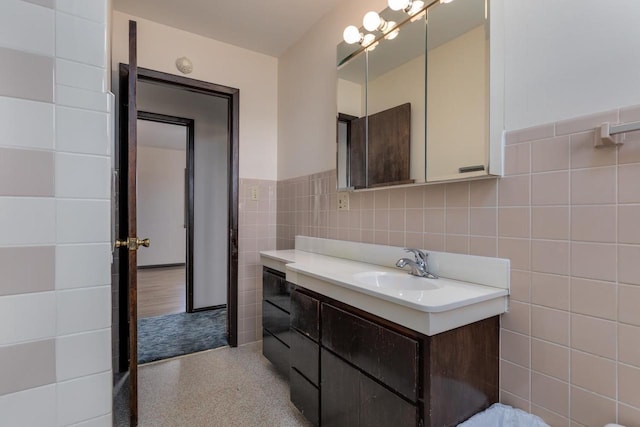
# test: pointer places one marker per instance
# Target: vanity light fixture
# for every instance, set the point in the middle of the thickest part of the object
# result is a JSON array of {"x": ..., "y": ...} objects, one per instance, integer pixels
[
  {"x": 353, "y": 35},
  {"x": 374, "y": 22},
  {"x": 411, "y": 7}
]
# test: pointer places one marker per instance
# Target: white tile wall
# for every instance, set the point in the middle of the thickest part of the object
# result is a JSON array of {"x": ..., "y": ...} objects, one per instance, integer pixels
[
  {"x": 81, "y": 176},
  {"x": 80, "y": 40},
  {"x": 93, "y": 10},
  {"x": 84, "y": 398},
  {"x": 79, "y": 75},
  {"x": 83, "y": 221},
  {"x": 81, "y": 131},
  {"x": 76, "y": 125},
  {"x": 16, "y": 35},
  {"x": 81, "y": 98},
  {"x": 17, "y": 117},
  {"x": 83, "y": 354},
  {"x": 27, "y": 317},
  {"x": 104, "y": 421},
  {"x": 83, "y": 265},
  {"x": 83, "y": 310},
  {"x": 34, "y": 408},
  {"x": 26, "y": 221}
]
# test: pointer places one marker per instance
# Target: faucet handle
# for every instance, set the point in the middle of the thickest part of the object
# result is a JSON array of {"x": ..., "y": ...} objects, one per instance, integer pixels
[{"x": 420, "y": 255}]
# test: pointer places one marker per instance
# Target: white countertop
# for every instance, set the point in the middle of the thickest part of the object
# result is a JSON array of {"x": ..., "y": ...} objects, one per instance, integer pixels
[
  {"x": 451, "y": 294},
  {"x": 449, "y": 304}
]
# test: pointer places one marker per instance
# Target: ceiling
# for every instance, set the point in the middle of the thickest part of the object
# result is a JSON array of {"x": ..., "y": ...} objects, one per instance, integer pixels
[{"x": 265, "y": 26}]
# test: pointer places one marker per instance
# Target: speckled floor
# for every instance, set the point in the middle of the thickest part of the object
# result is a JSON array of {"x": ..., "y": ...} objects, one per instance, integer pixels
[{"x": 223, "y": 387}]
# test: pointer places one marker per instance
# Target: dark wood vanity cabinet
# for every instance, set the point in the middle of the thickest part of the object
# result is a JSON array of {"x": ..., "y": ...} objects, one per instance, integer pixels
[
  {"x": 347, "y": 367},
  {"x": 375, "y": 373},
  {"x": 276, "y": 334},
  {"x": 305, "y": 354}
]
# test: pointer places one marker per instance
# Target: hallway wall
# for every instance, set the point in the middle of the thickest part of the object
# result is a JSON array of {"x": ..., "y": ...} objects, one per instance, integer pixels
[{"x": 55, "y": 148}]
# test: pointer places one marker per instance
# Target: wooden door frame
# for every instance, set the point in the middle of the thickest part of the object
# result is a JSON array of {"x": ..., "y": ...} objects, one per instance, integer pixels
[
  {"x": 189, "y": 124},
  {"x": 233, "y": 97}
]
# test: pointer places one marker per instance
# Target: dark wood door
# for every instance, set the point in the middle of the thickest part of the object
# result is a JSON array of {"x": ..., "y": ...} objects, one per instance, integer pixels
[{"x": 128, "y": 241}]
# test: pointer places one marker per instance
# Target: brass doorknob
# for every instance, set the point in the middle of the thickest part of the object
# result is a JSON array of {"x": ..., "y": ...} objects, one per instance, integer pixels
[{"x": 132, "y": 243}]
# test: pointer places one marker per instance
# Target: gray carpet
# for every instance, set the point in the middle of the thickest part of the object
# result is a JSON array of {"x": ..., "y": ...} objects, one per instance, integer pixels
[{"x": 173, "y": 335}]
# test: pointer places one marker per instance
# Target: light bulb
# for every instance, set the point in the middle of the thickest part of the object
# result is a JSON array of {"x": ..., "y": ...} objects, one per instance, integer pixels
[
  {"x": 367, "y": 39},
  {"x": 417, "y": 6},
  {"x": 394, "y": 31},
  {"x": 398, "y": 4},
  {"x": 445, "y": 1},
  {"x": 351, "y": 34},
  {"x": 371, "y": 21}
]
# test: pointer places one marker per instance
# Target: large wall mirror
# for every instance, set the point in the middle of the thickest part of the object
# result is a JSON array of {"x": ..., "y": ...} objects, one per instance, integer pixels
[{"x": 418, "y": 100}]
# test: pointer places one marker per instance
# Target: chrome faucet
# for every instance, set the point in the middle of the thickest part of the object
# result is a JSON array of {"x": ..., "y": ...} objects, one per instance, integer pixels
[{"x": 419, "y": 267}]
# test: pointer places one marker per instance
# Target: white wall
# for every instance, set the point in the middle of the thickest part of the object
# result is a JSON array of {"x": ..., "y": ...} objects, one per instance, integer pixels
[
  {"x": 307, "y": 78},
  {"x": 210, "y": 175},
  {"x": 569, "y": 58},
  {"x": 562, "y": 59},
  {"x": 253, "y": 73},
  {"x": 161, "y": 204}
]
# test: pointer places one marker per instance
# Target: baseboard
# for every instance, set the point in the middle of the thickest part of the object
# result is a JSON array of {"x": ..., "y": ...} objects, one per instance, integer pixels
[
  {"x": 147, "y": 267},
  {"x": 211, "y": 307}
]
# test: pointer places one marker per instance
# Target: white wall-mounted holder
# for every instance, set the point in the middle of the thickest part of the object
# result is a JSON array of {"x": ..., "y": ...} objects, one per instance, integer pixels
[{"x": 608, "y": 134}]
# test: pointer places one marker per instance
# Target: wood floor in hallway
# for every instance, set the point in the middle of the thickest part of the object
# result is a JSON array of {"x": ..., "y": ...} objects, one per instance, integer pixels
[{"x": 161, "y": 291}]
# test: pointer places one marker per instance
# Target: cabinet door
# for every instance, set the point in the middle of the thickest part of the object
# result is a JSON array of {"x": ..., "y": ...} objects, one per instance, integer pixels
[
  {"x": 305, "y": 314},
  {"x": 276, "y": 321},
  {"x": 277, "y": 352},
  {"x": 380, "y": 407},
  {"x": 276, "y": 289},
  {"x": 305, "y": 356},
  {"x": 389, "y": 357},
  {"x": 350, "y": 398},
  {"x": 339, "y": 391}
]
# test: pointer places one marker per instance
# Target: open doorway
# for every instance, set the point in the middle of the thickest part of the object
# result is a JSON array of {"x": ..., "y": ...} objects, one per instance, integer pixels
[
  {"x": 167, "y": 323},
  {"x": 215, "y": 207}
]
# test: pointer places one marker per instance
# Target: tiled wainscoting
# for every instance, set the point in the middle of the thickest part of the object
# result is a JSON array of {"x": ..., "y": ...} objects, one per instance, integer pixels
[
  {"x": 568, "y": 217},
  {"x": 256, "y": 232},
  {"x": 55, "y": 338}
]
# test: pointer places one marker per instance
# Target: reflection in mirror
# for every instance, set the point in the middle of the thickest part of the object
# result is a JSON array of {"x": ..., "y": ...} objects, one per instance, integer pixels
[
  {"x": 396, "y": 105},
  {"x": 382, "y": 88},
  {"x": 458, "y": 90},
  {"x": 351, "y": 119}
]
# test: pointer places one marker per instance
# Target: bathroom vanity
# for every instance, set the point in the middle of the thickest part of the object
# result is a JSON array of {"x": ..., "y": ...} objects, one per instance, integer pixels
[{"x": 358, "y": 352}]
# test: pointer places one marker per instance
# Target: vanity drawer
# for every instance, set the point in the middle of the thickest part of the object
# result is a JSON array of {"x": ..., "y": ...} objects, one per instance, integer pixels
[
  {"x": 276, "y": 321},
  {"x": 276, "y": 289},
  {"x": 305, "y": 396},
  {"x": 384, "y": 354},
  {"x": 305, "y": 356},
  {"x": 277, "y": 352},
  {"x": 305, "y": 314}
]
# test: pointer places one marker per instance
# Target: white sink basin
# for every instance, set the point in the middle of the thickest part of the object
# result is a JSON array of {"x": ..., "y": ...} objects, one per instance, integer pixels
[{"x": 395, "y": 281}]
